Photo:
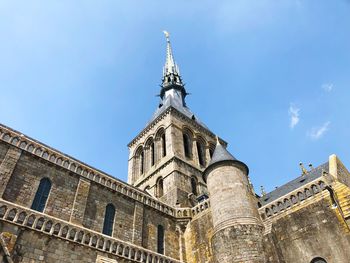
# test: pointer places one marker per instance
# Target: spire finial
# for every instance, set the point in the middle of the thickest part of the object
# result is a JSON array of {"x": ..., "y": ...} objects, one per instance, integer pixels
[
  {"x": 171, "y": 82},
  {"x": 170, "y": 66},
  {"x": 166, "y": 33}
]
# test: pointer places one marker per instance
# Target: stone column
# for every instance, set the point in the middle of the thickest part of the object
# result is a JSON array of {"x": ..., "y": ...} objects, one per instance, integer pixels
[
  {"x": 7, "y": 167},
  {"x": 80, "y": 201}
]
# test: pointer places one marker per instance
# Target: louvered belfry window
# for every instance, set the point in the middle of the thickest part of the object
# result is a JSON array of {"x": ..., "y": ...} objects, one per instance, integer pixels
[
  {"x": 109, "y": 220},
  {"x": 41, "y": 195}
]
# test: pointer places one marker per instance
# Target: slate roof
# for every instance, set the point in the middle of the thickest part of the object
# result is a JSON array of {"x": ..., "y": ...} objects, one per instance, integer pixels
[
  {"x": 221, "y": 154},
  {"x": 176, "y": 103},
  {"x": 294, "y": 184}
]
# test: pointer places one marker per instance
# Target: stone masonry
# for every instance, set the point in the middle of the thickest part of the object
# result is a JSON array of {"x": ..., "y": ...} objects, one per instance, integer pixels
[{"x": 187, "y": 200}]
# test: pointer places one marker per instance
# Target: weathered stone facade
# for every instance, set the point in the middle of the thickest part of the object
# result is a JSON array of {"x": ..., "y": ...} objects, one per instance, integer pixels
[{"x": 186, "y": 200}]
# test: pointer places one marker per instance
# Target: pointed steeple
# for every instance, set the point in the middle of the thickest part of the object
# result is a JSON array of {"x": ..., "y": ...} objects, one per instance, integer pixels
[
  {"x": 171, "y": 81},
  {"x": 170, "y": 66},
  {"x": 222, "y": 155}
]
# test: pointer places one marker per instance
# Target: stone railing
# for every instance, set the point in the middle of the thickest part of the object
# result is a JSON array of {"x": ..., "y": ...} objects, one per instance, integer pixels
[
  {"x": 49, "y": 225},
  {"x": 200, "y": 207},
  {"x": 191, "y": 212},
  {"x": 64, "y": 161},
  {"x": 292, "y": 198}
]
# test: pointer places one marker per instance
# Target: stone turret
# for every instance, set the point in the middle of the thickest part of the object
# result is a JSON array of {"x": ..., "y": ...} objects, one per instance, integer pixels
[{"x": 238, "y": 230}]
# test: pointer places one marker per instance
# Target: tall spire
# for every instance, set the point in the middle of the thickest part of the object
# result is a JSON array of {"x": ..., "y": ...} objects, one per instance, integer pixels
[
  {"x": 171, "y": 80},
  {"x": 170, "y": 66}
]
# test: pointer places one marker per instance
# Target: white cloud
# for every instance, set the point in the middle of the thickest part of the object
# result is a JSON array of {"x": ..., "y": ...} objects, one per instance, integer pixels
[
  {"x": 294, "y": 115},
  {"x": 327, "y": 87},
  {"x": 317, "y": 132}
]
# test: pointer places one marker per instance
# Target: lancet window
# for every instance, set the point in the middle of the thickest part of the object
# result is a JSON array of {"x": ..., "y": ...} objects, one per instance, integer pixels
[
  {"x": 160, "y": 239},
  {"x": 201, "y": 152},
  {"x": 109, "y": 220},
  {"x": 41, "y": 195},
  {"x": 194, "y": 185},
  {"x": 187, "y": 145},
  {"x": 159, "y": 188}
]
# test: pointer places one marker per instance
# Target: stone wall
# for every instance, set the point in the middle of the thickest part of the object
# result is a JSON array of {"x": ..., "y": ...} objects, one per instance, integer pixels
[
  {"x": 3, "y": 150},
  {"x": 315, "y": 230},
  {"x": 197, "y": 238},
  {"x": 25, "y": 180},
  {"x": 81, "y": 201},
  {"x": 151, "y": 220}
]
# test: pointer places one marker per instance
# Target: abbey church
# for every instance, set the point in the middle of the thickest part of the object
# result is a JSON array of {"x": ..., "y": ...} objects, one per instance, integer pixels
[{"x": 187, "y": 200}]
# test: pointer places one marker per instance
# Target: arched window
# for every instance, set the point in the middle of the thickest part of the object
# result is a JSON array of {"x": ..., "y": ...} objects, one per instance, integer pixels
[
  {"x": 318, "y": 260},
  {"x": 41, "y": 195},
  {"x": 109, "y": 220},
  {"x": 187, "y": 145},
  {"x": 200, "y": 150},
  {"x": 159, "y": 189},
  {"x": 160, "y": 239},
  {"x": 152, "y": 154},
  {"x": 141, "y": 162},
  {"x": 194, "y": 185},
  {"x": 163, "y": 145}
]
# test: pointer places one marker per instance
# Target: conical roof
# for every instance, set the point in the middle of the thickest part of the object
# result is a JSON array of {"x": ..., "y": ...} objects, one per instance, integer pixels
[{"x": 221, "y": 155}]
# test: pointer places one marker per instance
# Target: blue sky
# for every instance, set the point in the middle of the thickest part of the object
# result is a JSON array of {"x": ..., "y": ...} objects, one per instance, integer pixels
[{"x": 270, "y": 77}]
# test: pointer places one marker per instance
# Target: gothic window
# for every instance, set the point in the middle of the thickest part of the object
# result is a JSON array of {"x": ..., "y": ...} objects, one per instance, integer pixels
[
  {"x": 152, "y": 154},
  {"x": 141, "y": 162},
  {"x": 160, "y": 239},
  {"x": 159, "y": 189},
  {"x": 187, "y": 145},
  {"x": 200, "y": 150},
  {"x": 163, "y": 145},
  {"x": 41, "y": 195},
  {"x": 194, "y": 185},
  {"x": 318, "y": 260},
  {"x": 109, "y": 220}
]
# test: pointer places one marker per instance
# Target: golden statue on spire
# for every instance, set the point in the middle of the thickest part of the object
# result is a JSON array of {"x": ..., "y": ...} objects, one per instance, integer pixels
[{"x": 166, "y": 33}]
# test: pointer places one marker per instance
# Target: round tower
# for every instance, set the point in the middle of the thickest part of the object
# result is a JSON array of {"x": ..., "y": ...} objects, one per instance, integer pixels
[{"x": 238, "y": 230}]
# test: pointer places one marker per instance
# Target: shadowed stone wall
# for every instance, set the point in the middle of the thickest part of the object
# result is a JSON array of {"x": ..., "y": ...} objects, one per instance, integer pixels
[{"x": 315, "y": 230}]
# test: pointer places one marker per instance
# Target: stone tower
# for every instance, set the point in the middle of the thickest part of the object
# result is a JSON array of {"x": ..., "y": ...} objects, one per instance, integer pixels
[
  {"x": 238, "y": 230},
  {"x": 167, "y": 158}
]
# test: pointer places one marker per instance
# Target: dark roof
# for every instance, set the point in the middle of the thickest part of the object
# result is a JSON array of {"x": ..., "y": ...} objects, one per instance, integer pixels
[
  {"x": 176, "y": 103},
  {"x": 294, "y": 184},
  {"x": 221, "y": 154}
]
